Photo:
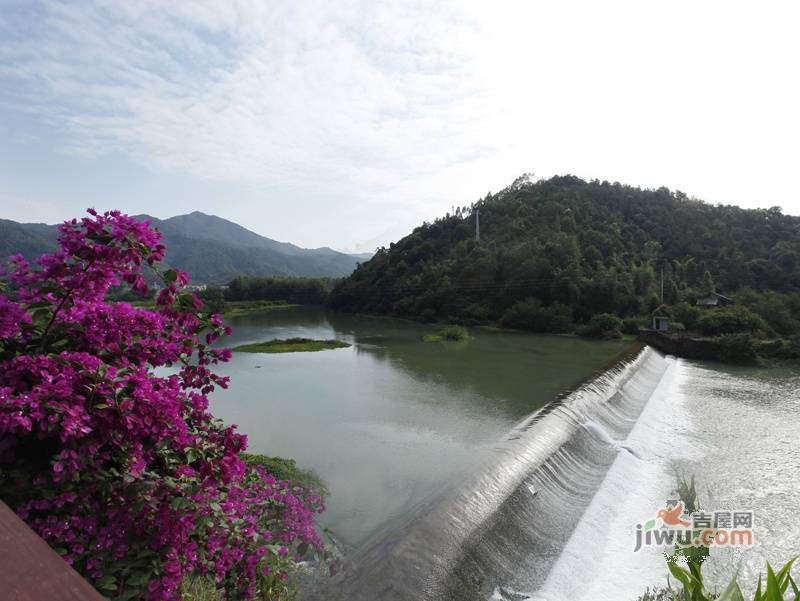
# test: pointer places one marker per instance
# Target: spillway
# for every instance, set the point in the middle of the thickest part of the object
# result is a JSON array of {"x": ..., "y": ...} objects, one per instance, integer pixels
[{"x": 505, "y": 529}]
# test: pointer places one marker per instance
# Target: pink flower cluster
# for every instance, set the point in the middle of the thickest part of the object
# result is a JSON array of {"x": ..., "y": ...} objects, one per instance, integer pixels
[{"x": 124, "y": 472}]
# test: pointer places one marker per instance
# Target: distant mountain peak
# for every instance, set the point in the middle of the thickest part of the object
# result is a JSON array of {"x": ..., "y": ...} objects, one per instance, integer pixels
[{"x": 211, "y": 248}]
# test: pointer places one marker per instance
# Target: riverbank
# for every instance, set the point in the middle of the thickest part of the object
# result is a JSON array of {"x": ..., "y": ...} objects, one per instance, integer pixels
[
  {"x": 732, "y": 349},
  {"x": 679, "y": 345},
  {"x": 231, "y": 308},
  {"x": 239, "y": 308}
]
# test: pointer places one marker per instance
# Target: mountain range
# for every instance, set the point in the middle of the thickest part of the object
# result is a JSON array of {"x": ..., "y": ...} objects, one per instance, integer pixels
[{"x": 211, "y": 249}]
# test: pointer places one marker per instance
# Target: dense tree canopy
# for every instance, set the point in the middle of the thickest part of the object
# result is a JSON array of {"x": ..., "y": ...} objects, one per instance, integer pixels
[
  {"x": 305, "y": 291},
  {"x": 595, "y": 247}
]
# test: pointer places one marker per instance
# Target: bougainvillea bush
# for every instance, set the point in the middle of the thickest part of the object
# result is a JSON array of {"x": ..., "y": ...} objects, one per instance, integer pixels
[{"x": 119, "y": 467}]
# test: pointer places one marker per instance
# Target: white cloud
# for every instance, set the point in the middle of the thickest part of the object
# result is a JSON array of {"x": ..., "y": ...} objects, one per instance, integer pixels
[{"x": 419, "y": 104}]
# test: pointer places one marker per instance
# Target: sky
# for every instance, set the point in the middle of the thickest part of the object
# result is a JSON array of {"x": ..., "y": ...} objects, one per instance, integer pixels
[{"x": 347, "y": 123}]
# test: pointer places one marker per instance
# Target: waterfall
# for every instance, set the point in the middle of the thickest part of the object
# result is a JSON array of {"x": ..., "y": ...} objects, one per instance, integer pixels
[{"x": 504, "y": 529}]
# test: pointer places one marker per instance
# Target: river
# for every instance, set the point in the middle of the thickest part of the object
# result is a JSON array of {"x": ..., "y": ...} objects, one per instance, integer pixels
[
  {"x": 391, "y": 419},
  {"x": 514, "y": 466}
]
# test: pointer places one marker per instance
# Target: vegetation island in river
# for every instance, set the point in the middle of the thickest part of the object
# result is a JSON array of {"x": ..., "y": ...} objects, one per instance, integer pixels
[{"x": 291, "y": 345}]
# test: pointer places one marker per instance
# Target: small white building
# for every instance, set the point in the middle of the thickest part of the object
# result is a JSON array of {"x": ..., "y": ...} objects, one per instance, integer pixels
[{"x": 660, "y": 319}]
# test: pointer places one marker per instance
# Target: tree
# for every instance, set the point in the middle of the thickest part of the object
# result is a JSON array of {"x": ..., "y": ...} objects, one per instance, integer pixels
[
  {"x": 733, "y": 320},
  {"x": 593, "y": 246},
  {"x": 707, "y": 286},
  {"x": 123, "y": 471},
  {"x": 604, "y": 325},
  {"x": 529, "y": 314}
]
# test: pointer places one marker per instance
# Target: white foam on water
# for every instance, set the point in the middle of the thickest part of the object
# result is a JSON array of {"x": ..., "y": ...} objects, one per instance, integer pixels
[
  {"x": 600, "y": 432},
  {"x": 748, "y": 419},
  {"x": 599, "y": 563}
]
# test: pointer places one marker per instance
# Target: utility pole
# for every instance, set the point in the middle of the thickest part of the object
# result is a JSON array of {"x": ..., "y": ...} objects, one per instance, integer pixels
[
  {"x": 662, "y": 285},
  {"x": 477, "y": 225}
]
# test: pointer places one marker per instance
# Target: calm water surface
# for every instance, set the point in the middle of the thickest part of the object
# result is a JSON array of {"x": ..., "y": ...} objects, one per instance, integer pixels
[{"x": 391, "y": 419}]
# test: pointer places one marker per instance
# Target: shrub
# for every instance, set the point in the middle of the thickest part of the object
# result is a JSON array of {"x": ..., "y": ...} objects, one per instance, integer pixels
[
  {"x": 686, "y": 314},
  {"x": 282, "y": 468},
  {"x": 529, "y": 314},
  {"x": 604, "y": 325},
  {"x": 631, "y": 325},
  {"x": 780, "y": 349},
  {"x": 296, "y": 290},
  {"x": 792, "y": 348},
  {"x": 731, "y": 320},
  {"x": 451, "y": 333},
  {"x": 736, "y": 348},
  {"x": 454, "y": 332},
  {"x": 126, "y": 473},
  {"x": 659, "y": 594},
  {"x": 213, "y": 300},
  {"x": 477, "y": 313}
]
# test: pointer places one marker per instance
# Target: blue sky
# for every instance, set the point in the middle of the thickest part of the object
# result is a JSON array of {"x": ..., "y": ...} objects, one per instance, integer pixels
[{"x": 346, "y": 123}]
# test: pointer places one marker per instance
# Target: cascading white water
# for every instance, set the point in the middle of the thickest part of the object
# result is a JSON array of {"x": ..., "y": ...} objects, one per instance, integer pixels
[
  {"x": 598, "y": 562},
  {"x": 507, "y": 527}
]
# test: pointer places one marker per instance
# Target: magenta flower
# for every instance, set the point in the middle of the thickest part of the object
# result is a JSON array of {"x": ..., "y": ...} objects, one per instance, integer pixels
[{"x": 123, "y": 471}]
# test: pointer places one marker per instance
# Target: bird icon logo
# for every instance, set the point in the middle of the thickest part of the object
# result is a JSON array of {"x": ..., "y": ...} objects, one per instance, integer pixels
[{"x": 672, "y": 515}]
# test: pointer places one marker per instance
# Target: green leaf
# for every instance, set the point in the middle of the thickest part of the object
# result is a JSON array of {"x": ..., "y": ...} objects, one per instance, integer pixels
[
  {"x": 101, "y": 406},
  {"x": 139, "y": 579},
  {"x": 732, "y": 592},
  {"x": 773, "y": 588},
  {"x": 41, "y": 315},
  {"x": 107, "y": 583},
  {"x": 692, "y": 585},
  {"x": 127, "y": 595},
  {"x": 783, "y": 575},
  {"x": 40, "y": 304},
  {"x": 186, "y": 300},
  {"x": 682, "y": 575},
  {"x": 170, "y": 276}
]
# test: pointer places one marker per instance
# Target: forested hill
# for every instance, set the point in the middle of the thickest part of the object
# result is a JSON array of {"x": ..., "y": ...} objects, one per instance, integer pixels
[
  {"x": 580, "y": 247},
  {"x": 213, "y": 250}
]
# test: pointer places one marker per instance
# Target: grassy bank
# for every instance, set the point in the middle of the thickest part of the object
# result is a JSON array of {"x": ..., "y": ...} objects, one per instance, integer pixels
[
  {"x": 237, "y": 308},
  {"x": 291, "y": 345},
  {"x": 286, "y": 469},
  {"x": 449, "y": 333},
  {"x": 229, "y": 308}
]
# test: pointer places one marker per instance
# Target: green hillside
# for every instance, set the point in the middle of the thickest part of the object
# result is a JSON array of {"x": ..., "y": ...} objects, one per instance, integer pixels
[
  {"x": 565, "y": 249},
  {"x": 213, "y": 250},
  {"x": 28, "y": 239}
]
